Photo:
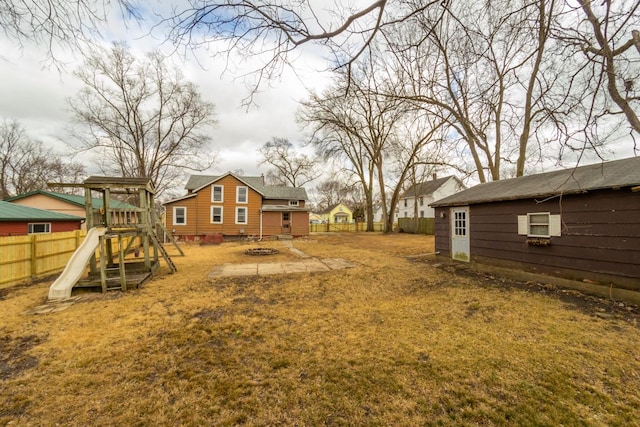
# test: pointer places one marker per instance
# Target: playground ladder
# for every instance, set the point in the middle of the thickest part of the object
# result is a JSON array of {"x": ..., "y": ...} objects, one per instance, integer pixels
[{"x": 164, "y": 253}]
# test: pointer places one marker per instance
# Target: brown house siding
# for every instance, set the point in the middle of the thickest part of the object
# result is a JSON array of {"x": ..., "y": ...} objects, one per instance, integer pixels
[
  {"x": 300, "y": 223},
  {"x": 600, "y": 236},
  {"x": 199, "y": 212},
  {"x": 199, "y": 223}
]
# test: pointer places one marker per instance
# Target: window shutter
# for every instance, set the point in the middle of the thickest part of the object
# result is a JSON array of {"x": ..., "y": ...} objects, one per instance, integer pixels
[
  {"x": 555, "y": 225},
  {"x": 522, "y": 225}
]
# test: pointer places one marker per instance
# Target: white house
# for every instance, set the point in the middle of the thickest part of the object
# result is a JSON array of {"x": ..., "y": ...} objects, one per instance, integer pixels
[{"x": 425, "y": 193}]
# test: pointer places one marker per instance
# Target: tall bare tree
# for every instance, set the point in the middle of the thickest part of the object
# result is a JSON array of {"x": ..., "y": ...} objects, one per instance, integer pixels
[
  {"x": 142, "y": 118},
  {"x": 27, "y": 165},
  {"x": 288, "y": 168},
  {"x": 605, "y": 37},
  {"x": 352, "y": 121}
]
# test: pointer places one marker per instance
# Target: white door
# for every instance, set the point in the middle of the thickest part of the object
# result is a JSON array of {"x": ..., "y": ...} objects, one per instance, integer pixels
[{"x": 460, "y": 234}]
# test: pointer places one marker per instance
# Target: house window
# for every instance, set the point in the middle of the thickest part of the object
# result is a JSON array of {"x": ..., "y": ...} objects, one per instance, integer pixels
[
  {"x": 37, "y": 228},
  {"x": 241, "y": 194},
  {"x": 179, "y": 215},
  {"x": 539, "y": 224},
  {"x": 421, "y": 201},
  {"x": 217, "y": 193},
  {"x": 405, "y": 203},
  {"x": 216, "y": 215},
  {"x": 421, "y": 214},
  {"x": 406, "y": 214},
  {"x": 241, "y": 215},
  {"x": 293, "y": 203}
]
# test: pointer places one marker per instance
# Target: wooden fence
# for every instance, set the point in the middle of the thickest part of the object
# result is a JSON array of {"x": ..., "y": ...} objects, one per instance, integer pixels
[
  {"x": 25, "y": 258},
  {"x": 338, "y": 227},
  {"x": 421, "y": 226}
]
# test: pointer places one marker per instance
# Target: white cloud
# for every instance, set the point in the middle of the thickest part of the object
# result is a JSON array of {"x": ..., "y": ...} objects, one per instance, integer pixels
[{"x": 36, "y": 97}]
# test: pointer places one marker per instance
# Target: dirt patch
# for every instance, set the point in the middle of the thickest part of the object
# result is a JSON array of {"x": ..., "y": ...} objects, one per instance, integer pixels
[
  {"x": 603, "y": 308},
  {"x": 13, "y": 357}
]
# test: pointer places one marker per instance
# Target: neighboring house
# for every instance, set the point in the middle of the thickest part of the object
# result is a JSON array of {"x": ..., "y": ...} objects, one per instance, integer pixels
[
  {"x": 425, "y": 193},
  {"x": 71, "y": 204},
  {"x": 234, "y": 205},
  {"x": 581, "y": 224},
  {"x": 16, "y": 220},
  {"x": 315, "y": 218},
  {"x": 378, "y": 213},
  {"x": 337, "y": 214}
]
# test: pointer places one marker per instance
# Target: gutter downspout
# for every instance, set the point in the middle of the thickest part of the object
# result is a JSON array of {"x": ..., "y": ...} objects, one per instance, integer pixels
[{"x": 260, "y": 239}]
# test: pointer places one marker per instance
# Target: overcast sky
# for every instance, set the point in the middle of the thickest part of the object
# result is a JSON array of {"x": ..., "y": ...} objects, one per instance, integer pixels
[{"x": 35, "y": 95}]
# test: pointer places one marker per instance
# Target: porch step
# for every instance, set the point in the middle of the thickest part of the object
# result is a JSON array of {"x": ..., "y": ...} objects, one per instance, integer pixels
[{"x": 284, "y": 237}]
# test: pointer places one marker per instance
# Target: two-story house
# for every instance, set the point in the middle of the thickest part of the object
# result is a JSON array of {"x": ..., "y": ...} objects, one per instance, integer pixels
[
  {"x": 422, "y": 194},
  {"x": 234, "y": 205}
]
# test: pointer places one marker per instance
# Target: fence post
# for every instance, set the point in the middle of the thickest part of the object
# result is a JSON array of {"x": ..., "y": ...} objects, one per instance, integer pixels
[{"x": 32, "y": 245}]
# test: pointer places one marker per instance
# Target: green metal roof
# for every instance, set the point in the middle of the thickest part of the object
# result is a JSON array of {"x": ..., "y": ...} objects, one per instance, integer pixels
[
  {"x": 13, "y": 212},
  {"x": 71, "y": 198}
]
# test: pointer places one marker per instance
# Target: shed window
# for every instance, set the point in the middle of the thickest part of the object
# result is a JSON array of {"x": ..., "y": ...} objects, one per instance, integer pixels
[
  {"x": 539, "y": 224},
  {"x": 38, "y": 228},
  {"x": 241, "y": 194},
  {"x": 179, "y": 215},
  {"x": 216, "y": 215},
  {"x": 217, "y": 193}
]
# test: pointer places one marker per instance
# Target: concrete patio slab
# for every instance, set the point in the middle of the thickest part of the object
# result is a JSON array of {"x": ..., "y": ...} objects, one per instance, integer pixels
[
  {"x": 270, "y": 268},
  {"x": 307, "y": 264},
  {"x": 304, "y": 266},
  {"x": 337, "y": 263}
]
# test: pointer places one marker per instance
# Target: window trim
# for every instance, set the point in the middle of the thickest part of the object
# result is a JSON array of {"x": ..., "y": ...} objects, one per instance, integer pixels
[
  {"x": 553, "y": 224},
  {"x": 221, "y": 215},
  {"x": 246, "y": 194},
  {"x": 46, "y": 224},
  {"x": 213, "y": 192},
  {"x": 176, "y": 216},
  {"x": 246, "y": 215}
]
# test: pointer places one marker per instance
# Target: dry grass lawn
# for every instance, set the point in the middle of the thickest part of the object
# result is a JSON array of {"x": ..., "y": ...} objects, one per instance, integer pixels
[{"x": 394, "y": 341}]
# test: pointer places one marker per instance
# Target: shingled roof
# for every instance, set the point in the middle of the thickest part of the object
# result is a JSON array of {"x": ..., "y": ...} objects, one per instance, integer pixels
[
  {"x": 425, "y": 188},
  {"x": 12, "y": 212},
  {"x": 197, "y": 182},
  {"x": 599, "y": 176}
]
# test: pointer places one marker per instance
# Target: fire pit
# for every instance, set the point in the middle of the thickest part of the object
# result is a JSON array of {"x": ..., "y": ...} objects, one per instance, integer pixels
[{"x": 261, "y": 251}]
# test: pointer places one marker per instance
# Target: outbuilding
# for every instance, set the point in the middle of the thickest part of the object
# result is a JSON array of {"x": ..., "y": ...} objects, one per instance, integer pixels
[
  {"x": 16, "y": 220},
  {"x": 581, "y": 224}
]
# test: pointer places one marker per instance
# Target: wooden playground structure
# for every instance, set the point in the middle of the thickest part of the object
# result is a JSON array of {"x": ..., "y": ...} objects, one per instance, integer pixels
[{"x": 125, "y": 250}]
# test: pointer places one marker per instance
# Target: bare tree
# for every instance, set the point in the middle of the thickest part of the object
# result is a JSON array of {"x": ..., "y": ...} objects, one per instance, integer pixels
[
  {"x": 288, "y": 168},
  {"x": 605, "y": 38},
  {"x": 331, "y": 192},
  {"x": 27, "y": 165},
  {"x": 142, "y": 118},
  {"x": 59, "y": 23},
  {"x": 368, "y": 132},
  {"x": 481, "y": 69}
]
